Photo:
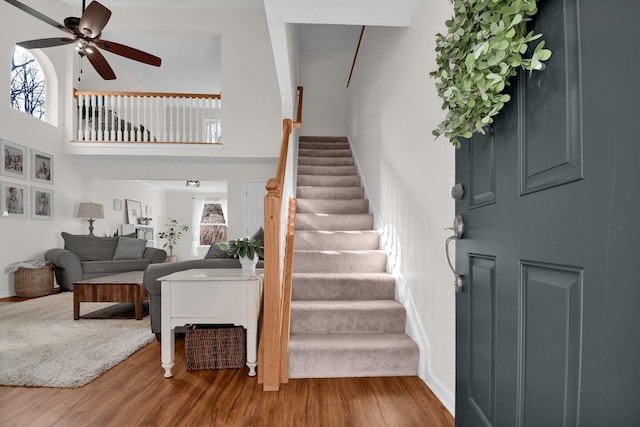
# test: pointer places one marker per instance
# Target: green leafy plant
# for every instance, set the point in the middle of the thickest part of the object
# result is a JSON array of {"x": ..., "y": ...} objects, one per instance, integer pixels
[
  {"x": 172, "y": 235},
  {"x": 486, "y": 42},
  {"x": 246, "y": 247}
]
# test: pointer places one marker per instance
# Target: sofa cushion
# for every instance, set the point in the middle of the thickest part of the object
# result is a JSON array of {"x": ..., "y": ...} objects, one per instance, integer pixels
[
  {"x": 129, "y": 248},
  {"x": 114, "y": 267},
  {"x": 90, "y": 248},
  {"x": 215, "y": 252}
]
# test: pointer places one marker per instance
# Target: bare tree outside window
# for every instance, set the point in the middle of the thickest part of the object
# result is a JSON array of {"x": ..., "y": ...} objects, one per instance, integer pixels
[
  {"x": 27, "y": 84},
  {"x": 213, "y": 227}
]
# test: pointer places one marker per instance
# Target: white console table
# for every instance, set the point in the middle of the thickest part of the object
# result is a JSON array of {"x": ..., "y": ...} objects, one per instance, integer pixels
[{"x": 215, "y": 296}]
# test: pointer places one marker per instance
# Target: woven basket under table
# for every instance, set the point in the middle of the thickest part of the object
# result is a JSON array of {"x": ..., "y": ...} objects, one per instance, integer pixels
[
  {"x": 34, "y": 282},
  {"x": 215, "y": 348}
]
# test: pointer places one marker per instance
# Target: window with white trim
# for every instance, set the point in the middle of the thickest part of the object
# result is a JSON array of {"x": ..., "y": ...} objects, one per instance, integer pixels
[{"x": 28, "y": 84}]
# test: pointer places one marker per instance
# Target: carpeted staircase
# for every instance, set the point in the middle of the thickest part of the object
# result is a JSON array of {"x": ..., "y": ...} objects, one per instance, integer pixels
[{"x": 344, "y": 319}]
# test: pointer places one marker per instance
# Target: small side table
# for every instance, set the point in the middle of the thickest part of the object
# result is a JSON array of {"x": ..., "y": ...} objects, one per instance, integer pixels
[{"x": 213, "y": 296}]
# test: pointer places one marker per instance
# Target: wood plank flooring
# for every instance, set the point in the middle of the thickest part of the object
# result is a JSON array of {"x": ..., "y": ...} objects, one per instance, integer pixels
[{"x": 135, "y": 393}]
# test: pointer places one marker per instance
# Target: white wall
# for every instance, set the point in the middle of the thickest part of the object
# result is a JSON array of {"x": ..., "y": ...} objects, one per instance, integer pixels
[
  {"x": 408, "y": 176},
  {"x": 252, "y": 124},
  {"x": 324, "y": 78}
]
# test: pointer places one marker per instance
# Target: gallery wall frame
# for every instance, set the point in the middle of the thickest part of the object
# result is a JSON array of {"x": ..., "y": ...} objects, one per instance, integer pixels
[
  {"x": 14, "y": 160},
  {"x": 134, "y": 211},
  {"x": 15, "y": 200},
  {"x": 42, "y": 167},
  {"x": 41, "y": 203}
]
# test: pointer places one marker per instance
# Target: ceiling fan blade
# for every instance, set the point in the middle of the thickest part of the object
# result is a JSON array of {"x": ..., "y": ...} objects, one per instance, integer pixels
[
  {"x": 42, "y": 43},
  {"x": 93, "y": 20},
  {"x": 128, "y": 52},
  {"x": 100, "y": 63},
  {"x": 40, "y": 16}
]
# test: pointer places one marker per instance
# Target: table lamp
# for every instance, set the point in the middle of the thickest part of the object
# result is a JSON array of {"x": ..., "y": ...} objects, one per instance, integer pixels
[{"x": 91, "y": 211}]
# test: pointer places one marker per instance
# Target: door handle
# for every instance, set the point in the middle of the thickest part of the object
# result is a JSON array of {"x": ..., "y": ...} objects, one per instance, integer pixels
[{"x": 458, "y": 229}]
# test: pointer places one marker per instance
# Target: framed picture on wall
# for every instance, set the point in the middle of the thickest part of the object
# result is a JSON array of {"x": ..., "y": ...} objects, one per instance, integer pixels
[
  {"x": 134, "y": 211},
  {"x": 41, "y": 203},
  {"x": 14, "y": 200},
  {"x": 41, "y": 167},
  {"x": 15, "y": 160}
]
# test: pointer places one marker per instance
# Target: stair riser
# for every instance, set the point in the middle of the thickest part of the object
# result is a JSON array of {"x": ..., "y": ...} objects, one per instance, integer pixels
[
  {"x": 320, "y": 206},
  {"x": 334, "y": 222},
  {"x": 351, "y": 360},
  {"x": 335, "y": 289},
  {"x": 326, "y": 161},
  {"x": 339, "y": 262},
  {"x": 347, "y": 321},
  {"x": 338, "y": 193},
  {"x": 326, "y": 170},
  {"x": 323, "y": 145},
  {"x": 337, "y": 240},
  {"x": 329, "y": 180}
]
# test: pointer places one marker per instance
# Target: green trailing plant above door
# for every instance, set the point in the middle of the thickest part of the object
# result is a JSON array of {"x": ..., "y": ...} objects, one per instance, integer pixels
[{"x": 486, "y": 42}]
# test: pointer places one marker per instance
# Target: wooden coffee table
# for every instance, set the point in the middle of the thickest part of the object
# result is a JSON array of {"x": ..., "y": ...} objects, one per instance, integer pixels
[{"x": 123, "y": 287}]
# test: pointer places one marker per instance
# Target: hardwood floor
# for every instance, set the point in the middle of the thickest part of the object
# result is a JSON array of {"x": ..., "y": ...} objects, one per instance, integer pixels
[{"x": 135, "y": 393}]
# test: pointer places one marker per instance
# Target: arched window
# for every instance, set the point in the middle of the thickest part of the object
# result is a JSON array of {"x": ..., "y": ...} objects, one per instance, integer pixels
[{"x": 28, "y": 85}]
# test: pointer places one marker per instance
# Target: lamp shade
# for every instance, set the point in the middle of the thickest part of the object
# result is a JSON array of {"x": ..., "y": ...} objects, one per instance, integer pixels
[{"x": 90, "y": 210}]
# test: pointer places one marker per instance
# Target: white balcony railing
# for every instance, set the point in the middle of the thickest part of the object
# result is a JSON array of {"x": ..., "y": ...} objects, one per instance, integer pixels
[{"x": 148, "y": 117}]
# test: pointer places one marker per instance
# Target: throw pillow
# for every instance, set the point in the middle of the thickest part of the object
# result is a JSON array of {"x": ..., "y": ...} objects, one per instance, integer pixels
[
  {"x": 90, "y": 248},
  {"x": 216, "y": 252},
  {"x": 129, "y": 248}
]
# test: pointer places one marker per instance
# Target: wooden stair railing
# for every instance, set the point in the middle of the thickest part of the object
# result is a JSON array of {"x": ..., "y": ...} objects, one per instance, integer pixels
[
  {"x": 287, "y": 282},
  {"x": 148, "y": 117},
  {"x": 298, "y": 123},
  {"x": 269, "y": 352}
]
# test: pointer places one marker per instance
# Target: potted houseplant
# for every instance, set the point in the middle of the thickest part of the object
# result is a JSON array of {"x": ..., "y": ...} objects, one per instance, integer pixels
[
  {"x": 247, "y": 250},
  {"x": 171, "y": 237}
]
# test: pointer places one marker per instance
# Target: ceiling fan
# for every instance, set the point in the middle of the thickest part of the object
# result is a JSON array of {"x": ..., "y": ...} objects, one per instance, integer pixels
[{"x": 86, "y": 32}]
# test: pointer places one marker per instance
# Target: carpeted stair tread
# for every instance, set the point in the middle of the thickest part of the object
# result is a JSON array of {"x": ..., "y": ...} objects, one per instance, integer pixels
[
  {"x": 311, "y": 261},
  {"x": 326, "y": 170},
  {"x": 345, "y": 152},
  {"x": 331, "y": 206},
  {"x": 343, "y": 286},
  {"x": 329, "y": 180},
  {"x": 337, "y": 240},
  {"x": 347, "y": 317},
  {"x": 352, "y": 355},
  {"x": 326, "y": 161},
  {"x": 340, "y": 193},
  {"x": 310, "y": 221},
  {"x": 322, "y": 145}
]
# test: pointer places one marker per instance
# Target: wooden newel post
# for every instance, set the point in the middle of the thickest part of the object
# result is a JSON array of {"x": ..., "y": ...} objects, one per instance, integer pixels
[{"x": 270, "y": 363}]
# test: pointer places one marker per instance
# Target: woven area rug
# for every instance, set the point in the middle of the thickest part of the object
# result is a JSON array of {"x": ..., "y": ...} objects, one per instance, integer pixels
[{"x": 42, "y": 346}]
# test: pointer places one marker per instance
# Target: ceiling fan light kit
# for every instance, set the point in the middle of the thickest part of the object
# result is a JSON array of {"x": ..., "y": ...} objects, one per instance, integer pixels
[{"x": 86, "y": 32}]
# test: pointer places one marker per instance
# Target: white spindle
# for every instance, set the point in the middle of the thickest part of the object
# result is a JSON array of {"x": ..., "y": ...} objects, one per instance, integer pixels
[
  {"x": 184, "y": 120},
  {"x": 165, "y": 135},
  {"x": 80, "y": 104},
  {"x": 92, "y": 103},
  {"x": 99, "y": 112},
  {"x": 119, "y": 120}
]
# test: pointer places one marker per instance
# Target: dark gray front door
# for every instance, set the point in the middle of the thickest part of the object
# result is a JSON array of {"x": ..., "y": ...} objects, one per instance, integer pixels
[{"x": 548, "y": 323}]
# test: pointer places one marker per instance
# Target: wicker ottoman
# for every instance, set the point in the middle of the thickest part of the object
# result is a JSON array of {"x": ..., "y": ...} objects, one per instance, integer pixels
[{"x": 34, "y": 282}]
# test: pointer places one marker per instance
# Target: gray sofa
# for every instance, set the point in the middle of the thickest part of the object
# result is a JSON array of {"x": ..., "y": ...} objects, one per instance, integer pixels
[
  {"x": 154, "y": 286},
  {"x": 215, "y": 258},
  {"x": 85, "y": 257}
]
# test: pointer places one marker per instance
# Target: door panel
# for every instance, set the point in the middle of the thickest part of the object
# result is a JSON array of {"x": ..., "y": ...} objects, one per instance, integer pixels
[
  {"x": 550, "y": 110},
  {"x": 547, "y": 322}
]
